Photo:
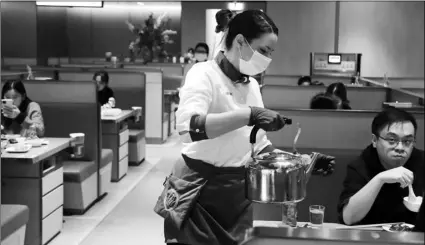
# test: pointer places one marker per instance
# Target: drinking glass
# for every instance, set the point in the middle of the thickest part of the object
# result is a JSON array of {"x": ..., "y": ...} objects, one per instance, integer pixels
[{"x": 317, "y": 215}]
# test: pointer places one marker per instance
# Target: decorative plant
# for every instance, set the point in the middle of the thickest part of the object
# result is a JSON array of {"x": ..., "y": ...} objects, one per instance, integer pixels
[{"x": 151, "y": 38}]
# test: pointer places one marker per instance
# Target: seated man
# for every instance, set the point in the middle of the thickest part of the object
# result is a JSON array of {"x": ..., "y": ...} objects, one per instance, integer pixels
[{"x": 376, "y": 181}]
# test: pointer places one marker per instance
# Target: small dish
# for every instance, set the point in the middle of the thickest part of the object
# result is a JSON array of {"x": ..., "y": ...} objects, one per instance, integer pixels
[
  {"x": 34, "y": 142},
  {"x": 401, "y": 226},
  {"x": 19, "y": 148},
  {"x": 413, "y": 206}
]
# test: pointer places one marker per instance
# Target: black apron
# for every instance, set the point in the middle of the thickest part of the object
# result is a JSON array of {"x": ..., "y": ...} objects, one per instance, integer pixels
[{"x": 204, "y": 205}]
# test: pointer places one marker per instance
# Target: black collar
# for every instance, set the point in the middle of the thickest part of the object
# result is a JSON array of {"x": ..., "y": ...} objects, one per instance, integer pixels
[{"x": 229, "y": 70}]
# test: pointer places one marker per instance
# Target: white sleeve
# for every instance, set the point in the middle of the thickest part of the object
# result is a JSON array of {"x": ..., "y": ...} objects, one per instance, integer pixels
[{"x": 195, "y": 100}]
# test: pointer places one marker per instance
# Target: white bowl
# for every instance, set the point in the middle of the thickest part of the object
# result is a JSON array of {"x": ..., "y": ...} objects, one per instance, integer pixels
[
  {"x": 35, "y": 142},
  {"x": 20, "y": 139},
  {"x": 414, "y": 207}
]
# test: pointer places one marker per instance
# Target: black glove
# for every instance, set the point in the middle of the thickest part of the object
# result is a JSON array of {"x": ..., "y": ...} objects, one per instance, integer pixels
[
  {"x": 266, "y": 119},
  {"x": 324, "y": 165}
]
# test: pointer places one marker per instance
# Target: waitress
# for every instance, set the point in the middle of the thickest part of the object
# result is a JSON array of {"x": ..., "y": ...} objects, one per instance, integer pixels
[
  {"x": 203, "y": 202},
  {"x": 222, "y": 18}
]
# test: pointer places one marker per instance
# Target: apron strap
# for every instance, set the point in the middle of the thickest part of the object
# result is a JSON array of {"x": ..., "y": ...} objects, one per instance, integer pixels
[{"x": 208, "y": 170}]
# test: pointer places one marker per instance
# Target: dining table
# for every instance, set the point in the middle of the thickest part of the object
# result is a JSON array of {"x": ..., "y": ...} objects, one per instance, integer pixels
[
  {"x": 275, "y": 232},
  {"x": 115, "y": 136},
  {"x": 34, "y": 178}
]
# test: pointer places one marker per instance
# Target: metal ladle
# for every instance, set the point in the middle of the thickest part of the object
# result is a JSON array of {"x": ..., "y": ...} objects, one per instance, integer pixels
[{"x": 294, "y": 149}]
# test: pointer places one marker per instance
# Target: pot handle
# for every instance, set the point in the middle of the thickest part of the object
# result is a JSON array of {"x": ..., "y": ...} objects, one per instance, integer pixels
[
  {"x": 252, "y": 139},
  {"x": 253, "y": 135}
]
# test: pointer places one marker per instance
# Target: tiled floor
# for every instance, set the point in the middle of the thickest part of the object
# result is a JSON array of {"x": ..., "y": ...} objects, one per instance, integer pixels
[{"x": 125, "y": 216}]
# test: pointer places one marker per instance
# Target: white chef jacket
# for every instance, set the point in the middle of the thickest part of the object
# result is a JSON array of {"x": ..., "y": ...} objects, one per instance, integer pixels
[{"x": 208, "y": 90}]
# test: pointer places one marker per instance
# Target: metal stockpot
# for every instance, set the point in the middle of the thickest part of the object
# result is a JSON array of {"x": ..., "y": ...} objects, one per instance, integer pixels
[{"x": 277, "y": 177}]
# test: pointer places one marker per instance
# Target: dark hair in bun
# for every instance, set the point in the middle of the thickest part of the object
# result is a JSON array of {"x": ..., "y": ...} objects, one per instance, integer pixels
[{"x": 222, "y": 18}]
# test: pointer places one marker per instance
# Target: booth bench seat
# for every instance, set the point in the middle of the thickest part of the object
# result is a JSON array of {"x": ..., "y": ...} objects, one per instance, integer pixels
[
  {"x": 14, "y": 219},
  {"x": 106, "y": 158},
  {"x": 136, "y": 147},
  {"x": 80, "y": 186}
]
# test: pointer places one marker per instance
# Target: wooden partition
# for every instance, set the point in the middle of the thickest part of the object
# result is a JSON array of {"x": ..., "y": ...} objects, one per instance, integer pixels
[
  {"x": 129, "y": 88},
  {"x": 331, "y": 129},
  {"x": 419, "y": 91},
  {"x": 64, "y": 104},
  {"x": 156, "y": 119},
  {"x": 44, "y": 71},
  {"x": 70, "y": 107},
  {"x": 172, "y": 82},
  {"x": 398, "y": 82},
  {"x": 10, "y": 75},
  {"x": 169, "y": 68},
  {"x": 299, "y": 97},
  {"x": 403, "y": 95},
  {"x": 10, "y": 61},
  {"x": 292, "y": 80},
  {"x": 85, "y": 60},
  {"x": 55, "y": 61},
  {"x": 105, "y": 65},
  {"x": 153, "y": 100}
]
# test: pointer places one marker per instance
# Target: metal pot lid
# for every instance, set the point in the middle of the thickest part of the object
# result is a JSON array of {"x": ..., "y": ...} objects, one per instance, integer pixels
[{"x": 278, "y": 160}]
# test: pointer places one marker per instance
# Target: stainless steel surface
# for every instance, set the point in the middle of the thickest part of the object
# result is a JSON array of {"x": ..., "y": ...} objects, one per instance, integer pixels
[
  {"x": 307, "y": 236},
  {"x": 277, "y": 177}
]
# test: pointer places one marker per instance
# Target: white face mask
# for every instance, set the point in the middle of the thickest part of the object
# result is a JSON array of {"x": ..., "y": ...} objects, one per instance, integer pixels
[
  {"x": 201, "y": 57},
  {"x": 256, "y": 65}
]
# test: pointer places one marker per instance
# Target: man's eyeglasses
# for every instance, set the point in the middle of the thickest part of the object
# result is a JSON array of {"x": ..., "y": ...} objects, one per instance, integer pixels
[{"x": 394, "y": 141}]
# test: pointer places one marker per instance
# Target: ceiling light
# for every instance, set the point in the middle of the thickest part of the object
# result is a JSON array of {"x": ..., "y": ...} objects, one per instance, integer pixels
[{"x": 70, "y": 4}]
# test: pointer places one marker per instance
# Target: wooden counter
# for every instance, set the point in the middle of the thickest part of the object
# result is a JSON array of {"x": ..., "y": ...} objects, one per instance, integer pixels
[{"x": 35, "y": 179}]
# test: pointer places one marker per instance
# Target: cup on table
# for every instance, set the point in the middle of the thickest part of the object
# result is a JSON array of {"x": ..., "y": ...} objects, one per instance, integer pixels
[
  {"x": 317, "y": 215},
  {"x": 77, "y": 144},
  {"x": 111, "y": 102},
  {"x": 137, "y": 112}
]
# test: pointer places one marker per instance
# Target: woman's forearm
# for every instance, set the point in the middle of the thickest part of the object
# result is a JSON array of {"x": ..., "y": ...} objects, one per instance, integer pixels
[
  {"x": 360, "y": 203},
  {"x": 222, "y": 123}
]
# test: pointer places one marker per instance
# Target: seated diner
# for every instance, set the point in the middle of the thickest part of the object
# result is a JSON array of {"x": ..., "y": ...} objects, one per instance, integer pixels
[
  {"x": 378, "y": 180},
  {"x": 324, "y": 101},
  {"x": 105, "y": 94},
  {"x": 20, "y": 115},
  {"x": 339, "y": 90}
]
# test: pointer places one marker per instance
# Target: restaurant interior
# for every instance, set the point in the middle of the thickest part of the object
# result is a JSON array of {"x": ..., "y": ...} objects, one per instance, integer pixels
[{"x": 96, "y": 174}]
